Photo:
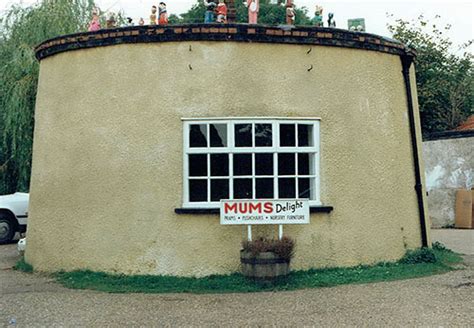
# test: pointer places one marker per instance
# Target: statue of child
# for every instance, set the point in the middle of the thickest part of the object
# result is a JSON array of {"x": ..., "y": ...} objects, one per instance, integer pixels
[
  {"x": 153, "y": 15},
  {"x": 163, "y": 15},
  {"x": 209, "y": 15},
  {"x": 221, "y": 12},
  {"x": 94, "y": 25}
]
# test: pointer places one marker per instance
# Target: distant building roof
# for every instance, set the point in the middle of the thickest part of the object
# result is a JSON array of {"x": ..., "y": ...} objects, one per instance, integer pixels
[{"x": 466, "y": 125}]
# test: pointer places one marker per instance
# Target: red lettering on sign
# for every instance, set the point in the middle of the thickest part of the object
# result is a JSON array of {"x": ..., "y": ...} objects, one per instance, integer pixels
[
  {"x": 257, "y": 207},
  {"x": 230, "y": 207},
  {"x": 268, "y": 207}
]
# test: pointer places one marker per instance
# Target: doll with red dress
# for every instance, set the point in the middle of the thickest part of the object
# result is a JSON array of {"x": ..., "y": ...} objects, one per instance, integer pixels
[
  {"x": 162, "y": 14},
  {"x": 221, "y": 12}
]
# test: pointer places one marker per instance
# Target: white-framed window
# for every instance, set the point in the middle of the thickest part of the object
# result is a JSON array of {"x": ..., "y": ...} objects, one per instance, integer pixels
[{"x": 250, "y": 158}]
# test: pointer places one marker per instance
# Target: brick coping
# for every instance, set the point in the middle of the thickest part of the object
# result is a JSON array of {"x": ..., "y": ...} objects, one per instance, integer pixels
[{"x": 282, "y": 34}]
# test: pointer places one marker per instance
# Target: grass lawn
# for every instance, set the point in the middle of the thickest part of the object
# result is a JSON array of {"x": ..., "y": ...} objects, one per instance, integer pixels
[{"x": 418, "y": 263}]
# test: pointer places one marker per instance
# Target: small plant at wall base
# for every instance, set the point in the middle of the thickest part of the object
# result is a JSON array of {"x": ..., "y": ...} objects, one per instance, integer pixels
[
  {"x": 24, "y": 266},
  {"x": 265, "y": 258}
]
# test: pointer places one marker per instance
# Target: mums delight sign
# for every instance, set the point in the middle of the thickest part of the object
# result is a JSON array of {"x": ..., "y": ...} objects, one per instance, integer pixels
[{"x": 291, "y": 211}]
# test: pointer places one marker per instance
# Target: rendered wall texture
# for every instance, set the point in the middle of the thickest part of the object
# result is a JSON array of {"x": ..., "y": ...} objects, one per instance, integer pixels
[
  {"x": 107, "y": 163},
  {"x": 449, "y": 166}
]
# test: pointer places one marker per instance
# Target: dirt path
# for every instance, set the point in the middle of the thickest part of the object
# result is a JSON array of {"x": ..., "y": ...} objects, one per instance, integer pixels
[{"x": 443, "y": 300}]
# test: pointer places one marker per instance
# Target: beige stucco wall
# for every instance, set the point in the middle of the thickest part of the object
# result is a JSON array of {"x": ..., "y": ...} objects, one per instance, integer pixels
[{"x": 107, "y": 162}]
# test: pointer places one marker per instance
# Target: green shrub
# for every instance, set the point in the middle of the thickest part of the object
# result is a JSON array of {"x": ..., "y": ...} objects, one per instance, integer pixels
[
  {"x": 24, "y": 266},
  {"x": 421, "y": 255},
  {"x": 440, "y": 247}
]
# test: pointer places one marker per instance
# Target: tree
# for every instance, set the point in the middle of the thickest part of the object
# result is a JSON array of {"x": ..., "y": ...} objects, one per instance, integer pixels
[
  {"x": 444, "y": 79},
  {"x": 21, "y": 29},
  {"x": 271, "y": 14}
]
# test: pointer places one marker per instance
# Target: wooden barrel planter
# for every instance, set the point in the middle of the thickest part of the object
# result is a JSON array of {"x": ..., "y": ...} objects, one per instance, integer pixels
[{"x": 264, "y": 266}]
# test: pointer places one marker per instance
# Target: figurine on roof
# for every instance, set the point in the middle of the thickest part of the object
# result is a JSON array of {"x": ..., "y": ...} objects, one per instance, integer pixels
[
  {"x": 253, "y": 8},
  {"x": 221, "y": 12},
  {"x": 331, "y": 21},
  {"x": 318, "y": 17},
  {"x": 110, "y": 22},
  {"x": 209, "y": 15},
  {"x": 153, "y": 15},
  {"x": 141, "y": 21},
  {"x": 94, "y": 25},
  {"x": 163, "y": 14},
  {"x": 290, "y": 13}
]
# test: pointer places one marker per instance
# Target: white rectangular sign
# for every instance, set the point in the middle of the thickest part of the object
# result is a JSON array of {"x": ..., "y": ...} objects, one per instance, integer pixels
[{"x": 287, "y": 211}]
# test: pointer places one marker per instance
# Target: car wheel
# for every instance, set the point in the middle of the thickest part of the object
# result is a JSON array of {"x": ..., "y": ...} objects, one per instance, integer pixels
[{"x": 7, "y": 230}]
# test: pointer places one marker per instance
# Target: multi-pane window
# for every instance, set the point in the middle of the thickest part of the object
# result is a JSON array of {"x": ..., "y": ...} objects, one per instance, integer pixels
[{"x": 250, "y": 159}]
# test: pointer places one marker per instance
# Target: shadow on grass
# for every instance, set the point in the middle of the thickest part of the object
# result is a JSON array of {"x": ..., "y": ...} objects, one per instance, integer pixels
[{"x": 417, "y": 263}]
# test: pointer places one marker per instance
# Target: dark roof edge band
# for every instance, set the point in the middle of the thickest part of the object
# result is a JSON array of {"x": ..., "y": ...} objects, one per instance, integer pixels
[
  {"x": 222, "y": 32},
  {"x": 449, "y": 135}
]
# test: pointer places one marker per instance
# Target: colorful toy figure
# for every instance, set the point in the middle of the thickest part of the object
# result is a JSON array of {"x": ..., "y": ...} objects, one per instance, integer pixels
[
  {"x": 141, "y": 22},
  {"x": 94, "y": 25},
  {"x": 110, "y": 22},
  {"x": 209, "y": 15},
  {"x": 153, "y": 15},
  {"x": 318, "y": 17},
  {"x": 290, "y": 13},
  {"x": 163, "y": 15},
  {"x": 221, "y": 12},
  {"x": 253, "y": 8},
  {"x": 331, "y": 21}
]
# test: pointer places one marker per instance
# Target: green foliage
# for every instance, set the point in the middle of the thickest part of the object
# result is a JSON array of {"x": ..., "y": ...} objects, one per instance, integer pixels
[
  {"x": 444, "y": 79},
  {"x": 24, "y": 266},
  {"x": 232, "y": 283},
  {"x": 21, "y": 29},
  {"x": 437, "y": 246},
  {"x": 270, "y": 14},
  {"x": 422, "y": 255}
]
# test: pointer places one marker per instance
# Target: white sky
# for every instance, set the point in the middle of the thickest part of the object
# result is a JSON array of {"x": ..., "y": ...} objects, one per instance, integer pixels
[{"x": 458, "y": 13}]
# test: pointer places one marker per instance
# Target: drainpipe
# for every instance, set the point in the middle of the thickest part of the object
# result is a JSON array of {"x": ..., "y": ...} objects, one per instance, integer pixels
[{"x": 407, "y": 60}]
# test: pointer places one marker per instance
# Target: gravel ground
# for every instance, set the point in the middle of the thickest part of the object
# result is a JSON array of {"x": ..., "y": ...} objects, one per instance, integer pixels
[{"x": 437, "y": 301}]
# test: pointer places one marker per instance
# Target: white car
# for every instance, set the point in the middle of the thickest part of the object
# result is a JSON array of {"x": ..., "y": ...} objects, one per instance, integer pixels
[{"x": 13, "y": 215}]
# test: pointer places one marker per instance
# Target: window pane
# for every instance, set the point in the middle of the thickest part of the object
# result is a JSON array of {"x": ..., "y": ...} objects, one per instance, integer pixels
[
  {"x": 243, "y": 135},
  {"x": 305, "y": 164},
  {"x": 286, "y": 188},
  {"x": 304, "y": 188},
  {"x": 243, "y": 189},
  {"x": 264, "y": 188},
  {"x": 219, "y": 189},
  {"x": 286, "y": 164},
  {"x": 305, "y": 135},
  {"x": 242, "y": 164},
  {"x": 287, "y": 135},
  {"x": 263, "y": 135},
  {"x": 197, "y": 190},
  {"x": 197, "y": 165},
  {"x": 219, "y": 164},
  {"x": 198, "y": 135},
  {"x": 263, "y": 164},
  {"x": 218, "y": 135}
]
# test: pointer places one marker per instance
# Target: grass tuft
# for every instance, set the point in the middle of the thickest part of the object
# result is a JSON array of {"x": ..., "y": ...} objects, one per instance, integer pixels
[
  {"x": 22, "y": 265},
  {"x": 415, "y": 264}
]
